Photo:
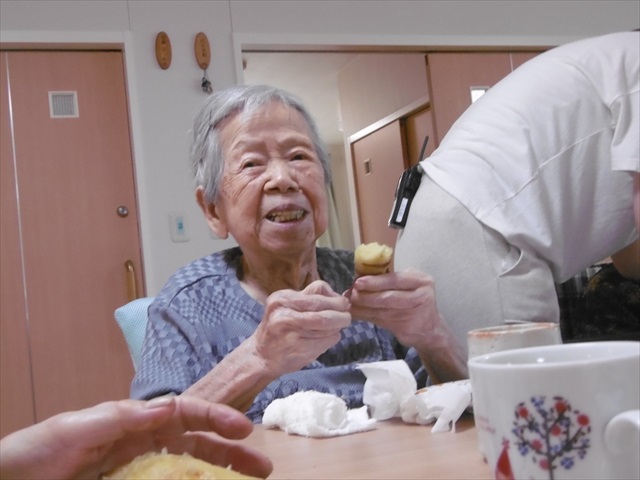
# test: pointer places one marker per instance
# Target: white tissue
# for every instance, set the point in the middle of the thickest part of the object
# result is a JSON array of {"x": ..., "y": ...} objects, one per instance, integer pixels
[
  {"x": 389, "y": 384},
  {"x": 390, "y": 391},
  {"x": 316, "y": 414},
  {"x": 444, "y": 402}
]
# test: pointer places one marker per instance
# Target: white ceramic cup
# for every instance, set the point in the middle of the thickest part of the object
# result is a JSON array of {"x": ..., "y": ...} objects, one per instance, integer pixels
[
  {"x": 514, "y": 335},
  {"x": 567, "y": 411}
]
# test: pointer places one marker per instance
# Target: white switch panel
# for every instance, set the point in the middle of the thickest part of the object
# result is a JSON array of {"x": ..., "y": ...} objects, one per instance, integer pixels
[{"x": 178, "y": 224}]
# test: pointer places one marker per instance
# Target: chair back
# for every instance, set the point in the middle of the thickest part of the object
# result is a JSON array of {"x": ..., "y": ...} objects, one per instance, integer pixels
[{"x": 132, "y": 319}]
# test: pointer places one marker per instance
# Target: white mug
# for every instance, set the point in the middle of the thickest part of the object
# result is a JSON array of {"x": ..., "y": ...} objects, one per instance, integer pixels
[
  {"x": 514, "y": 335},
  {"x": 567, "y": 411}
]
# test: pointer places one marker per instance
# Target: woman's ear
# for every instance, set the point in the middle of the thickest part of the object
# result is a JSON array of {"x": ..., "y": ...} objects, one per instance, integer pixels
[{"x": 217, "y": 224}]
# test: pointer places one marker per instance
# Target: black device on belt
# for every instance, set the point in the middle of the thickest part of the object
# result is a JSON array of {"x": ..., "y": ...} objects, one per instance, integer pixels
[{"x": 405, "y": 191}]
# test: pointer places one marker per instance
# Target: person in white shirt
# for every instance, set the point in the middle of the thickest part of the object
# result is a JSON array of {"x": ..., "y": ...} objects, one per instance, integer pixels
[{"x": 536, "y": 181}]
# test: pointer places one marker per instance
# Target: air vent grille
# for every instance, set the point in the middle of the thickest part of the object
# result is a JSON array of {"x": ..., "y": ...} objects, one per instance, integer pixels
[{"x": 63, "y": 104}]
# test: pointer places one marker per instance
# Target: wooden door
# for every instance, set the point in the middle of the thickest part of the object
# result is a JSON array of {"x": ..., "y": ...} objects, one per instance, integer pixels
[
  {"x": 378, "y": 162},
  {"x": 417, "y": 126},
  {"x": 451, "y": 76},
  {"x": 518, "y": 58},
  {"x": 73, "y": 173},
  {"x": 16, "y": 394}
]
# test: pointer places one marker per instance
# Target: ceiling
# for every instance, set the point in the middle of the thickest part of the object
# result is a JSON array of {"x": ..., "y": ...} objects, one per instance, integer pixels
[{"x": 312, "y": 76}]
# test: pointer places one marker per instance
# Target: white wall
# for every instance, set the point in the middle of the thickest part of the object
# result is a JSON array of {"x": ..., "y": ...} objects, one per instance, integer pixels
[{"x": 163, "y": 102}]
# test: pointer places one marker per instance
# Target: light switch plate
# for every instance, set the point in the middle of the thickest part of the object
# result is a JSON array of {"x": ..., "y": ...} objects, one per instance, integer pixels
[{"x": 178, "y": 226}]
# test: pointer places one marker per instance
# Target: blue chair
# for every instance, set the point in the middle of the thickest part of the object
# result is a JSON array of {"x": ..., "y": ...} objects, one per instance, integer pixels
[{"x": 132, "y": 319}]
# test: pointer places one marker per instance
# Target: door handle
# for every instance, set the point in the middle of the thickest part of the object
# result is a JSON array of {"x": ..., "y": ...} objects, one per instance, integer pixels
[
  {"x": 132, "y": 289},
  {"x": 367, "y": 166}
]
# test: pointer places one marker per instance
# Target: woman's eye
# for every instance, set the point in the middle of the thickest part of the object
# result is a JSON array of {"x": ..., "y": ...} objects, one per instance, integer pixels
[
  {"x": 249, "y": 164},
  {"x": 299, "y": 156}
]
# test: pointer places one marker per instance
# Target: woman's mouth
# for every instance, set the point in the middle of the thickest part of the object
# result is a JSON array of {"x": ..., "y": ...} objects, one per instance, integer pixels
[{"x": 285, "y": 216}]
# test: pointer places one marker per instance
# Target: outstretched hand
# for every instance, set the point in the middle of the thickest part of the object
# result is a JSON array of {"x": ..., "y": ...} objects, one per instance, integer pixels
[{"x": 89, "y": 443}]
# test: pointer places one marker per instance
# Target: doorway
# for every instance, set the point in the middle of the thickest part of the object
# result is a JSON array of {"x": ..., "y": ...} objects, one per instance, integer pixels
[
  {"x": 296, "y": 71},
  {"x": 69, "y": 226}
]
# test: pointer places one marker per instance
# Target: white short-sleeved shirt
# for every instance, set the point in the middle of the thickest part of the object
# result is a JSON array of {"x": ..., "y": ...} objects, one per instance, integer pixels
[{"x": 543, "y": 156}]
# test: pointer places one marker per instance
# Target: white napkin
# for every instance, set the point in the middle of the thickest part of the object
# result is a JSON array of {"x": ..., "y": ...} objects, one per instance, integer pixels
[
  {"x": 389, "y": 384},
  {"x": 390, "y": 391},
  {"x": 316, "y": 414},
  {"x": 444, "y": 403}
]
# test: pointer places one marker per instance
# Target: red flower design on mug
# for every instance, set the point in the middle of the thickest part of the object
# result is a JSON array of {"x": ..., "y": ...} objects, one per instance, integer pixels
[
  {"x": 536, "y": 445},
  {"x": 583, "y": 420},
  {"x": 561, "y": 406}
]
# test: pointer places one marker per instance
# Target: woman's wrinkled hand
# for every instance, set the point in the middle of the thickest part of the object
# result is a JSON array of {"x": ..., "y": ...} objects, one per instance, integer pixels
[
  {"x": 401, "y": 302},
  {"x": 298, "y": 326}
]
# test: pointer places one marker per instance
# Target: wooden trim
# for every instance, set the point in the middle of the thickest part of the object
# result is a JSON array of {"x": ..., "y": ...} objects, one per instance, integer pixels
[{"x": 419, "y": 104}]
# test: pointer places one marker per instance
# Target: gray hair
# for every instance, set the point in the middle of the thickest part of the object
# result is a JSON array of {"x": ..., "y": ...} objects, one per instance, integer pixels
[{"x": 206, "y": 151}]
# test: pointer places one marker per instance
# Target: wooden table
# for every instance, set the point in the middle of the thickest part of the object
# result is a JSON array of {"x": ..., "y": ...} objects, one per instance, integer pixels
[{"x": 394, "y": 450}]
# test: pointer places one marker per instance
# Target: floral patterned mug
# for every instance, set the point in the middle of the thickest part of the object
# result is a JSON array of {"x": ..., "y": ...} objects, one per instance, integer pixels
[{"x": 567, "y": 411}]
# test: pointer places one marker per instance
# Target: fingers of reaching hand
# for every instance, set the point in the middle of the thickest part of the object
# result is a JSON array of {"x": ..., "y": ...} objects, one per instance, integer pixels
[
  {"x": 106, "y": 422},
  {"x": 222, "y": 452},
  {"x": 164, "y": 416},
  {"x": 195, "y": 414},
  {"x": 200, "y": 428}
]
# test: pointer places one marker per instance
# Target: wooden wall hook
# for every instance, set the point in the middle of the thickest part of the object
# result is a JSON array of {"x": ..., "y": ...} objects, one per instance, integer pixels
[
  {"x": 202, "y": 50},
  {"x": 163, "y": 50}
]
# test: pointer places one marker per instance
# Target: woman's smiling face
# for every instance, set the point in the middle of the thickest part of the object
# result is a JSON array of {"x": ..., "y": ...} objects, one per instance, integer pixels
[{"x": 273, "y": 197}]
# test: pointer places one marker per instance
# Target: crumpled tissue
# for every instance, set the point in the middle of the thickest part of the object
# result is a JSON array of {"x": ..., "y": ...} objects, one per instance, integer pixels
[
  {"x": 390, "y": 391},
  {"x": 316, "y": 414}
]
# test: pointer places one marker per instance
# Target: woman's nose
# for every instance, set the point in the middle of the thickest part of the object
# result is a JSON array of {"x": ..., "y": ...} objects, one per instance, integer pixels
[{"x": 281, "y": 176}]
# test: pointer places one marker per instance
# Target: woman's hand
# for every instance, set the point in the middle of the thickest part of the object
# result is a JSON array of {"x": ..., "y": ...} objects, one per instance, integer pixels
[
  {"x": 89, "y": 443},
  {"x": 297, "y": 327},
  {"x": 405, "y": 304},
  {"x": 402, "y": 302}
]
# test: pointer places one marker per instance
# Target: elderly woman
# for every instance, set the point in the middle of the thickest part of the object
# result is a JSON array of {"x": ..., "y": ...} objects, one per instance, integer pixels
[{"x": 267, "y": 318}]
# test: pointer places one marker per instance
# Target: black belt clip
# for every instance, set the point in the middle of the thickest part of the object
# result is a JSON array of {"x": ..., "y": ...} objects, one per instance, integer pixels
[{"x": 405, "y": 191}]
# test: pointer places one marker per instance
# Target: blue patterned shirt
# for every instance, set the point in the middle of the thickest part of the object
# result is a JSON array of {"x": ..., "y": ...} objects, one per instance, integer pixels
[{"x": 203, "y": 313}]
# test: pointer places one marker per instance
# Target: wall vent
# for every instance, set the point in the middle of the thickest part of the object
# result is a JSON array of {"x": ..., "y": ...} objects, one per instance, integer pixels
[{"x": 63, "y": 104}]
